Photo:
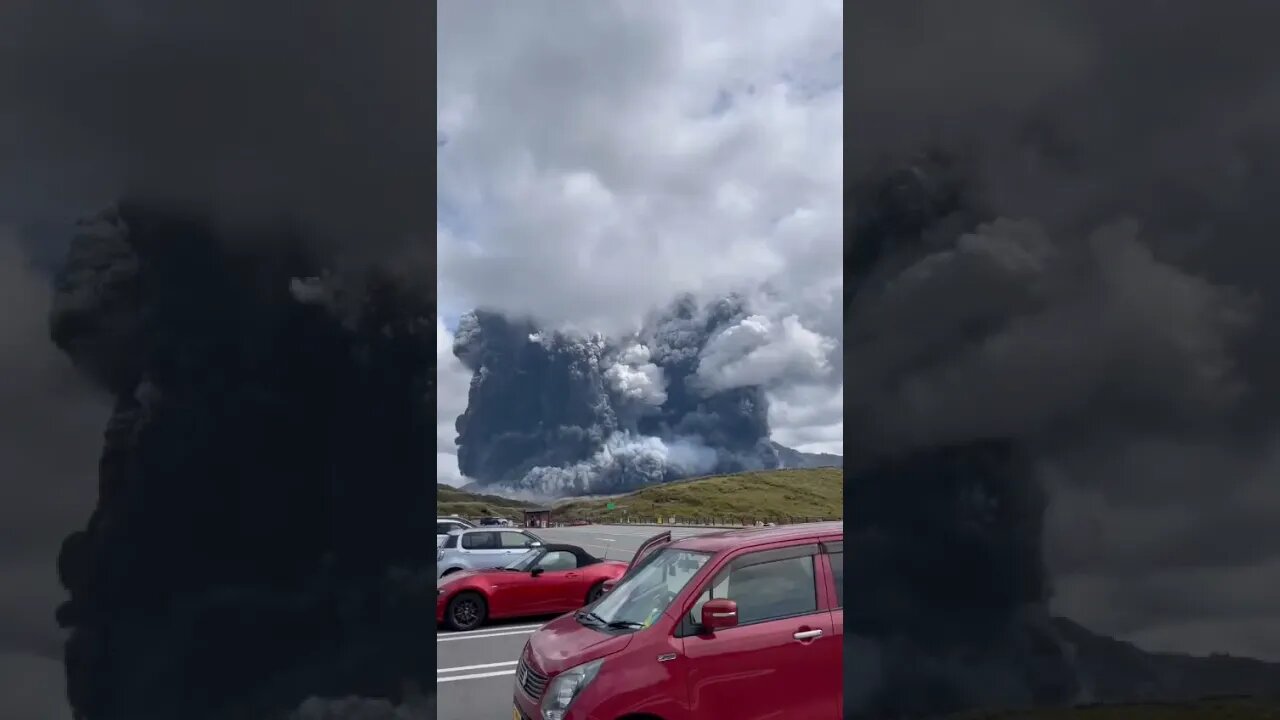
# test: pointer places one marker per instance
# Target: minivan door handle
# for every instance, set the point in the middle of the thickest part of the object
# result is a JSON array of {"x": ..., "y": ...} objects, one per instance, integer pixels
[{"x": 807, "y": 634}]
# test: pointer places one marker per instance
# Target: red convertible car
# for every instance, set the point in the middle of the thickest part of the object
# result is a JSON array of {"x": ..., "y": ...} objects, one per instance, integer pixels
[{"x": 551, "y": 580}]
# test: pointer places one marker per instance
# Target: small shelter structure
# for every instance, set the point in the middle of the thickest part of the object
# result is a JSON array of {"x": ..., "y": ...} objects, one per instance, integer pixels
[{"x": 537, "y": 517}]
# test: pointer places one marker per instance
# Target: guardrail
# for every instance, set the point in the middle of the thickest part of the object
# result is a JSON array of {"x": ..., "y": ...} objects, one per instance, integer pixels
[
  {"x": 747, "y": 521},
  {"x": 678, "y": 521},
  {"x": 709, "y": 521}
]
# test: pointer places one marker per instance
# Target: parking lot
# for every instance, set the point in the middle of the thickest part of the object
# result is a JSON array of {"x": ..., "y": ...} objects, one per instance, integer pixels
[{"x": 474, "y": 669}]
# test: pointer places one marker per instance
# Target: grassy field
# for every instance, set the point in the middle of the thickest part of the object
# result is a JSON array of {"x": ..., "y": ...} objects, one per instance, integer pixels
[
  {"x": 452, "y": 501},
  {"x": 764, "y": 495},
  {"x": 1219, "y": 709}
]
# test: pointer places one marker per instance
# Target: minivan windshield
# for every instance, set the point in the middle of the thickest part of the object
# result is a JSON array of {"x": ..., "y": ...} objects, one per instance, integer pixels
[{"x": 648, "y": 589}]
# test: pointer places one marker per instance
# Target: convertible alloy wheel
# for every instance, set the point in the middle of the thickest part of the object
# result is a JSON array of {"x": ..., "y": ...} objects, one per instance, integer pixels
[{"x": 466, "y": 611}]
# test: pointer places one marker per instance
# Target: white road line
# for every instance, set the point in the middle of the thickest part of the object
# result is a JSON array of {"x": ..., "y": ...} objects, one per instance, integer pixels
[
  {"x": 448, "y": 638},
  {"x": 440, "y": 671},
  {"x": 475, "y": 676},
  {"x": 495, "y": 629}
]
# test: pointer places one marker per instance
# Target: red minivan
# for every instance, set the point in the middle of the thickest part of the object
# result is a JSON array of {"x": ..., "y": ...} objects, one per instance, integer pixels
[{"x": 744, "y": 624}]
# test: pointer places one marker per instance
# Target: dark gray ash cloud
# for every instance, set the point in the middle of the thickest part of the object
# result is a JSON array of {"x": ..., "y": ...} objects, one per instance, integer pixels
[
  {"x": 1061, "y": 245},
  {"x": 558, "y": 413},
  {"x": 247, "y": 148}
]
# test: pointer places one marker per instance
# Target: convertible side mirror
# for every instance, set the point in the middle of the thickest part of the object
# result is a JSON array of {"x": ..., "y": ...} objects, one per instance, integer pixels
[{"x": 536, "y": 571}]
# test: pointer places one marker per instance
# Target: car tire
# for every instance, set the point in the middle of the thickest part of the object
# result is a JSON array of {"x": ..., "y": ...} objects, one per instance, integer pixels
[
  {"x": 467, "y": 611},
  {"x": 595, "y": 592}
]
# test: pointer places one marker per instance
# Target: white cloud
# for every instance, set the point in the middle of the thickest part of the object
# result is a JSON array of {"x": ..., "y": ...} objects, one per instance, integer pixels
[
  {"x": 598, "y": 161},
  {"x": 809, "y": 418},
  {"x": 757, "y": 351}
]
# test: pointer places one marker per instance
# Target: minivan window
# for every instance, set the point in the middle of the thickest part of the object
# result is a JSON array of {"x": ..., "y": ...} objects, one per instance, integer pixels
[
  {"x": 649, "y": 588},
  {"x": 765, "y": 591},
  {"x": 515, "y": 540},
  {"x": 837, "y": 572},
  {"x": 480, "y": 541}
]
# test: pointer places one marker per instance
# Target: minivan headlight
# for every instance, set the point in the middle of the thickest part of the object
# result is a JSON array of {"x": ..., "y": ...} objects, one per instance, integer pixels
[{"x": 566, "y": 687}]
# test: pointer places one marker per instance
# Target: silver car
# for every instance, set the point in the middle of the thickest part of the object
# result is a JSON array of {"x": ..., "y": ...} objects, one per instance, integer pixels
[
  {"x": 482, "y": 548},
  {"x": 446, "y": 525}
]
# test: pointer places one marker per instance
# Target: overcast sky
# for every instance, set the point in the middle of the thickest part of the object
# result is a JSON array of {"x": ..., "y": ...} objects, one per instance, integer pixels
[{"x": 596, "y": 159}]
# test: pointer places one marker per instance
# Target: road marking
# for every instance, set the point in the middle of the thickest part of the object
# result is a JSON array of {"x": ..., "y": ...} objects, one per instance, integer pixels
[
  {"x": 475, "y": 667},
  {"x": 448, "y": 638},
  {"x": 495, "y": 628},
  {"x": 475, "y": 676}
]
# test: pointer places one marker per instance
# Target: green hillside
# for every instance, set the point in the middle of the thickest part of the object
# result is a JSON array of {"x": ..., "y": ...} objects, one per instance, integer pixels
[
  {"x": 765, "y": 495},
  {"x": 452, "y": 501}
]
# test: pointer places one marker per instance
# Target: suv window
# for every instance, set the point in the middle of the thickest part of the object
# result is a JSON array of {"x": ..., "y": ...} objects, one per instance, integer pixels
[
  {"x": 558, "y": 560},
  {"x": 764, "y": 591},
  {"x": 837, "y": 573},
  {"x": 480, "y": 541},
  {"x": 451, "y": 541},
  {"x": 515, "y": 540}
]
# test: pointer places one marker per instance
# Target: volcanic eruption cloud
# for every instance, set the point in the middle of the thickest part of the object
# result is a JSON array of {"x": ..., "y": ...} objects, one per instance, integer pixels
[
  {"x": 1017, "y": 342},
  {"x": 264, "y": 502},
  {"x": 1060, "y": 347},
  {"x": 561, "y": 413},
  {"x": 255, "y": 297}
]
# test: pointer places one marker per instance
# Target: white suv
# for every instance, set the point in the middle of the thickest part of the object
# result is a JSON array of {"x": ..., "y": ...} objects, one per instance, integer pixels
[
  {"x": 483, "y": 548},
  {"x": 446, "y": 525}
]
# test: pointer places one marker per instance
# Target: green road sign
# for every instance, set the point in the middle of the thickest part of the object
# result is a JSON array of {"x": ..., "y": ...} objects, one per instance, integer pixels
[{"x": 610, "y": 506}]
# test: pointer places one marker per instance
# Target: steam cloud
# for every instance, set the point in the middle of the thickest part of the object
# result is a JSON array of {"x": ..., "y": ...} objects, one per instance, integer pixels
[
  {"x": 262, "y": 528},
  {"x": 559, "y": 413}
]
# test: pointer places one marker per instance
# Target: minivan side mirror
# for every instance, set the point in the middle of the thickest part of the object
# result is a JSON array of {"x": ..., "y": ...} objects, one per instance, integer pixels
[
  {"x": 606, "y": 586},
  {"x": 535, "y": 544},
  {"x": 719, "y": 614}
]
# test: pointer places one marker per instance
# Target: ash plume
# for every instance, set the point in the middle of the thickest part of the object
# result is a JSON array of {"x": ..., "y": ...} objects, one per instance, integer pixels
[
  {"x": 560, "y": 413},
  {"x": 984, "y": 346},
  {"x": 261, "y": 531},
  {"x": 1061, "y": 253},
  {"x": 253, "y": 311}
]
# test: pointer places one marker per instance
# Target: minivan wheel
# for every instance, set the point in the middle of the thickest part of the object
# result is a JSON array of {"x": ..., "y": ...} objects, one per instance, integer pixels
[
  {"x": 466, "y": 611},
  {"x": 595, "y": 592}
]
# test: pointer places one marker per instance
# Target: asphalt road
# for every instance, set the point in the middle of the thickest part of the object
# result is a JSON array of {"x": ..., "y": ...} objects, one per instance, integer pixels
[{"x": 474, "y": 670}]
